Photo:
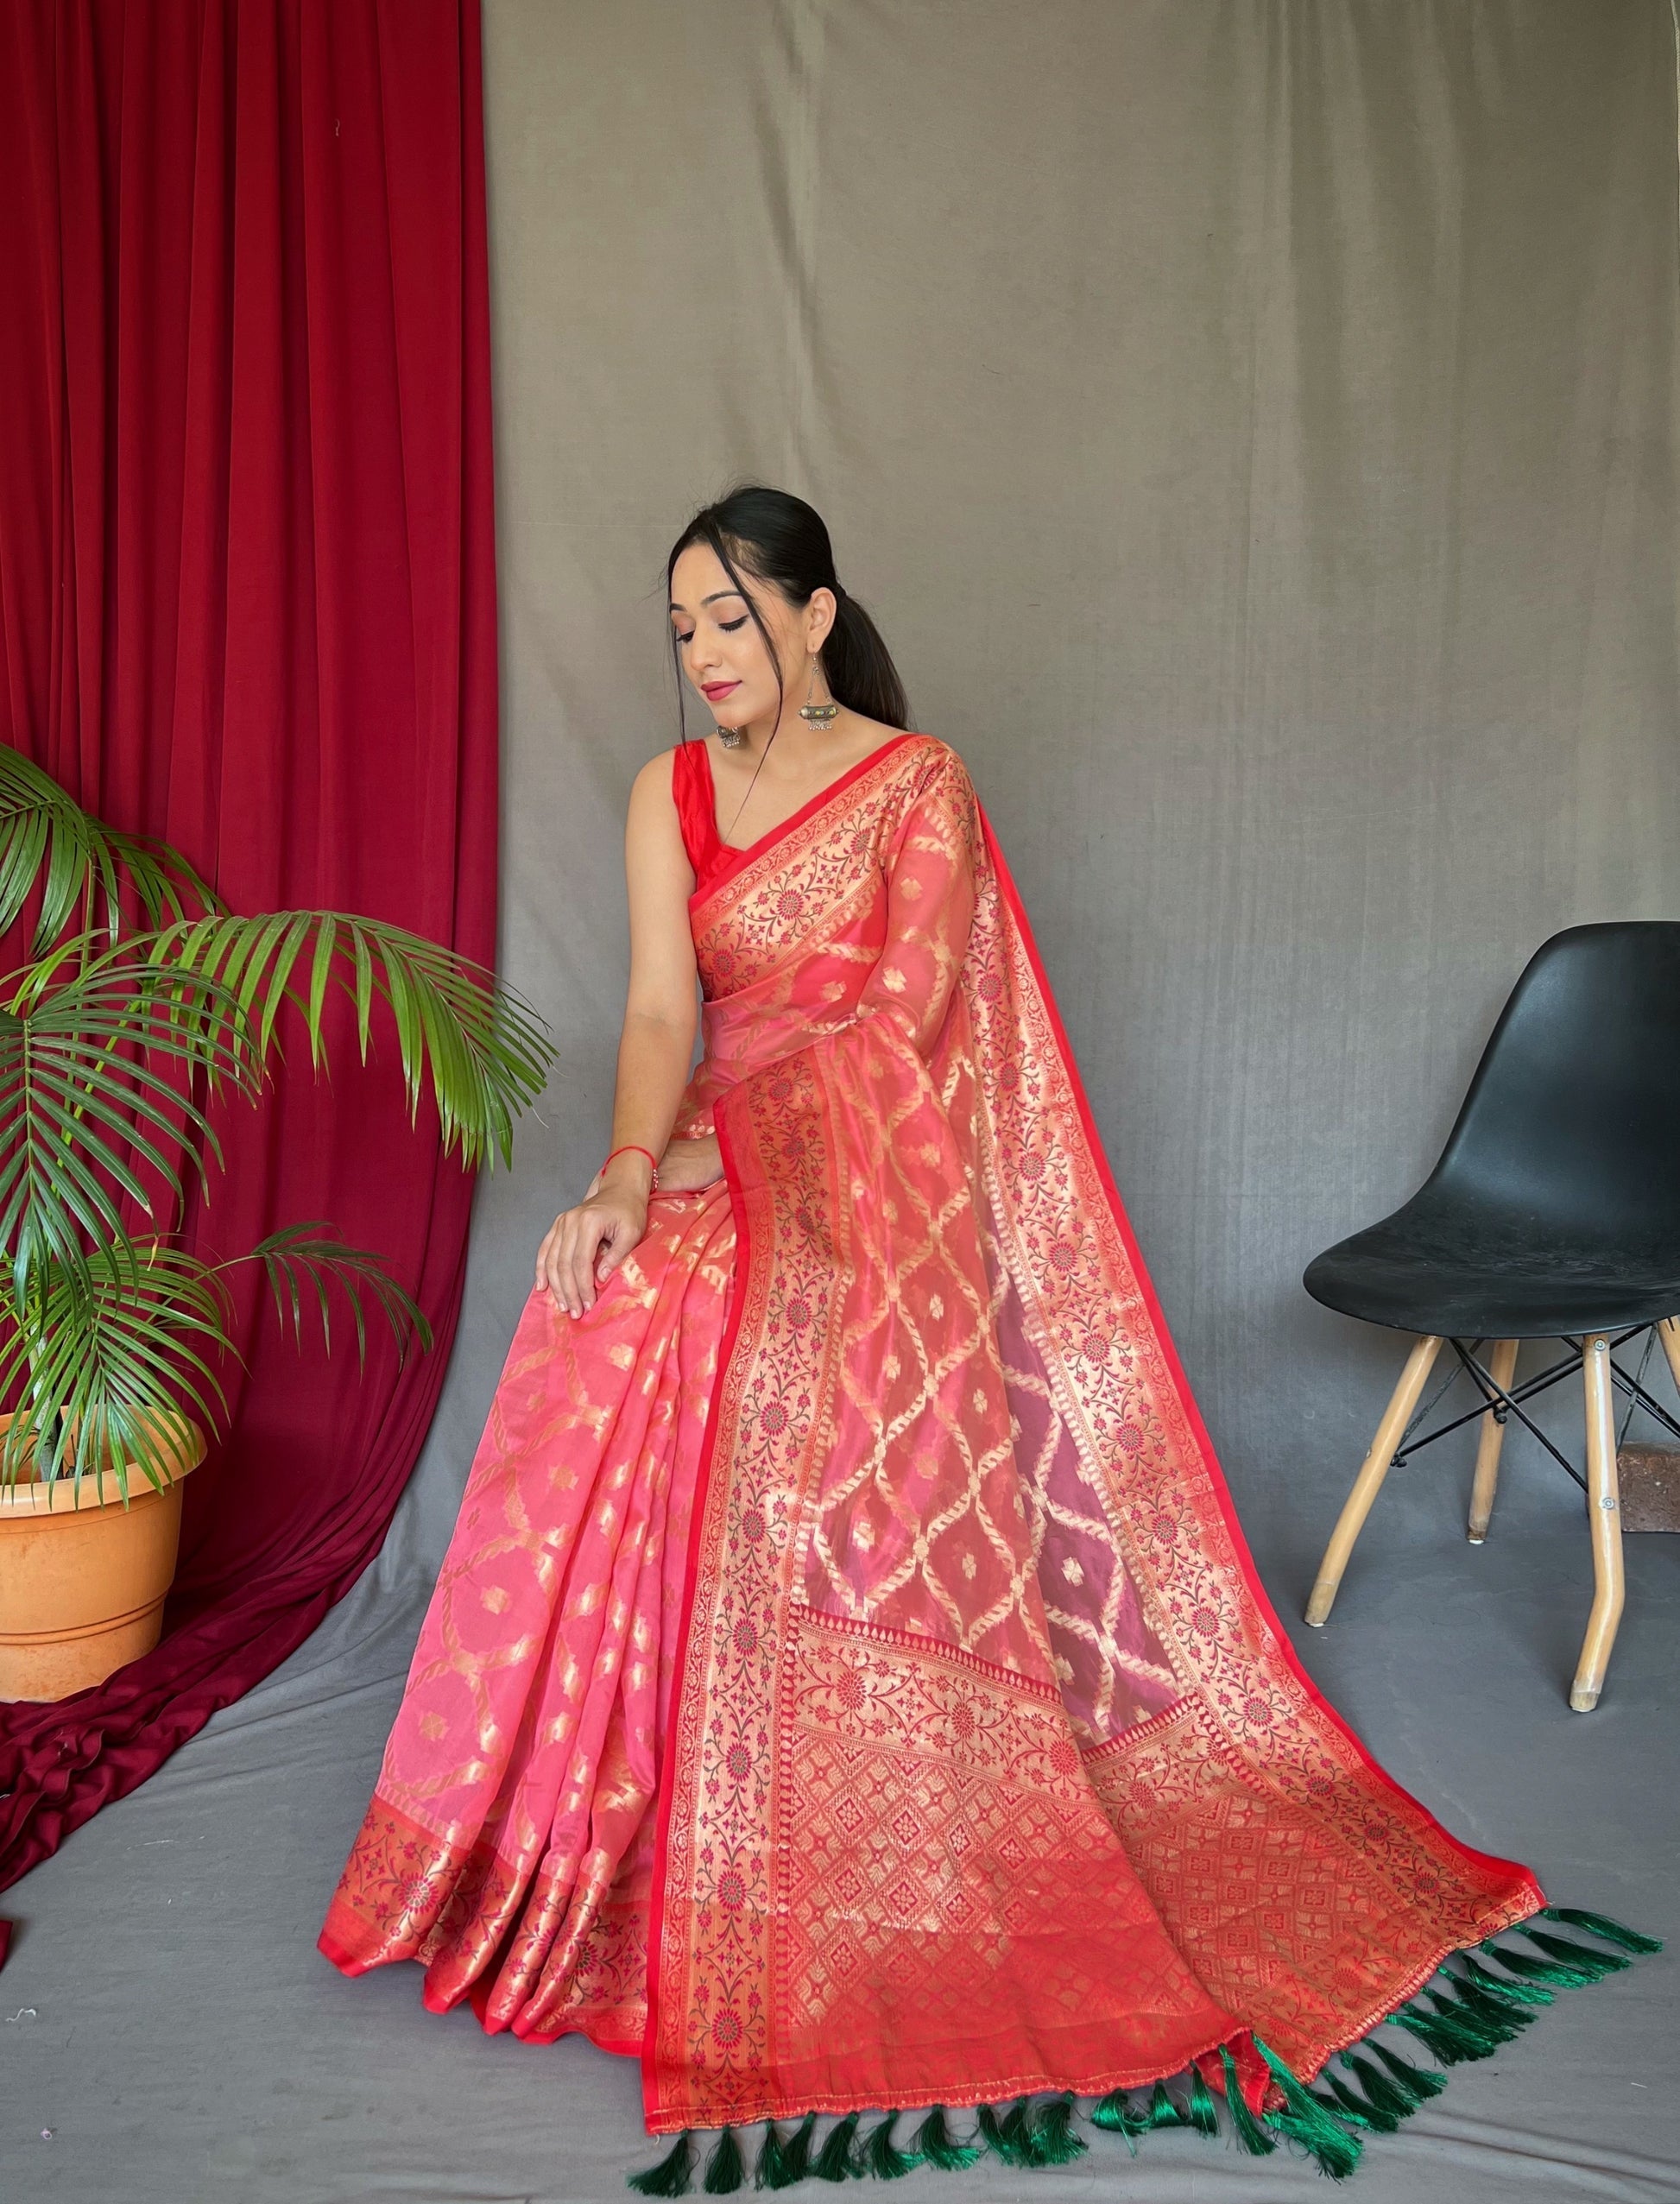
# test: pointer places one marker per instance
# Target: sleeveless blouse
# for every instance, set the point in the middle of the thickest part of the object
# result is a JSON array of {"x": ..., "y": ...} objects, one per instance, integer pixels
[{"x": 696, "y": 800}]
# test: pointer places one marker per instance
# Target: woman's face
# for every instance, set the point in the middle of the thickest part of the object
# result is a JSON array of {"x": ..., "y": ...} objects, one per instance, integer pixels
[{"x": 722, "y": 651}]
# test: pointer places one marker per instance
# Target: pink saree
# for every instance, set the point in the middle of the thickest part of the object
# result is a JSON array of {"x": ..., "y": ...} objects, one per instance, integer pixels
[{"x": 848, "y": 1685}]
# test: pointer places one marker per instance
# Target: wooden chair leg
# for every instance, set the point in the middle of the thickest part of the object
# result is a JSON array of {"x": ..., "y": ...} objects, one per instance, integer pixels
[
  {"x": 1669, "y": 1332},
  {"x": 1605, "y": 1523},
  {"x": 1502, "y": 1367},
  {"x": 1368, "y": 1483}
]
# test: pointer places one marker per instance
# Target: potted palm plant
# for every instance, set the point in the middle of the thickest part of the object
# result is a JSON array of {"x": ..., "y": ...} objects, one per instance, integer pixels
[{"x": 143, "y": 1002}]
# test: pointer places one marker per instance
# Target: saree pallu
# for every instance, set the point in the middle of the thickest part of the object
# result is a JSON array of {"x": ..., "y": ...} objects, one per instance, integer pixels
[{"x": 848, "y": 1685}]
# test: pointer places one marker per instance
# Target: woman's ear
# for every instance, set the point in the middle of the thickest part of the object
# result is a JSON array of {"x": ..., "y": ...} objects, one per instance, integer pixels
[{"x": 820, "y": 614}]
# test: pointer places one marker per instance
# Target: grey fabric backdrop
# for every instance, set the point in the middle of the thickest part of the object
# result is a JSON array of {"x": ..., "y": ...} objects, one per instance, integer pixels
[{"x": 1253, "y": 426}]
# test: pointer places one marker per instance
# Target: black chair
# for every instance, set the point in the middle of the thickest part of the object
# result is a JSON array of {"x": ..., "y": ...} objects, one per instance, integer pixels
[{"x": 1554, "y": 1213}]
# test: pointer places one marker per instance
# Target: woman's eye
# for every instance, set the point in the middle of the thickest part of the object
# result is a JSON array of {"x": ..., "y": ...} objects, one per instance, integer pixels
[
  {"x": 729, "y": 626},
  {"x": 683, "y": 642}
]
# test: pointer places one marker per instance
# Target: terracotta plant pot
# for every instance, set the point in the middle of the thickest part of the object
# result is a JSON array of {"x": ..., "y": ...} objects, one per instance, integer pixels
[{"x": 84, "y": 1576}]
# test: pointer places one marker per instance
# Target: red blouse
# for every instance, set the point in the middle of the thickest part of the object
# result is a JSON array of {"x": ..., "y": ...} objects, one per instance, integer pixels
[
  {"x": 696, "y": 798},
  {"x": 697, "y": 811}
]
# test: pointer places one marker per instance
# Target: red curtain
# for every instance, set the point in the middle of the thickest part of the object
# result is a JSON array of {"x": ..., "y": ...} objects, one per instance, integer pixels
[{"x": 247, "y": 603}]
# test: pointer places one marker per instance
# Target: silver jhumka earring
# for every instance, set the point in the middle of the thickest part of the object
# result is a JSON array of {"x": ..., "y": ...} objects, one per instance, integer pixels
[{"x": 818, "y": 714}]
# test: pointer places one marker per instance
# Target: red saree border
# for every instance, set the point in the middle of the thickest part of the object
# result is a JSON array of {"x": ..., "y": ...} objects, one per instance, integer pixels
[
  {"x": 395, "y": 1863},
  {"x": 684, "y": 1635},
  {"x": 1169, "y": 1353}
]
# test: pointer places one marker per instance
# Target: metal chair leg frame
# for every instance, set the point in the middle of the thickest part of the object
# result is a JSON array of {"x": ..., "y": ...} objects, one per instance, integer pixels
[
  {"x": 1603, "y": 1505},
  {"x": 1502, "y": 1367},
  {"x": 1669, "y": 1332},
  {"x": 1368, "y": 1483}
]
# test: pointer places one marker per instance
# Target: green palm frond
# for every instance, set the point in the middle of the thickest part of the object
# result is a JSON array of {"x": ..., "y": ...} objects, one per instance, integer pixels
[
  {"x": 45, "y": 835},
  {"x": 313, "y": 1255},
  {"x": 487, "y": 1051},
  {"x": 113, "y": 1046},
  {"x": 108, "y": 1360},
  {"x": 90, "y": 1083}
]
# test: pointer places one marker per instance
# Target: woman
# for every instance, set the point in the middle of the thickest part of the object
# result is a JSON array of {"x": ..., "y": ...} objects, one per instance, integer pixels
[{"x": 848, "y": 1685}]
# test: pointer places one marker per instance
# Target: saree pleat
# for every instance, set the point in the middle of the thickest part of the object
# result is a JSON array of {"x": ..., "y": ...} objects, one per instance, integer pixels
[
  {"x": 508, "y": 1845},
  {"x": 881, "y": 1709}
]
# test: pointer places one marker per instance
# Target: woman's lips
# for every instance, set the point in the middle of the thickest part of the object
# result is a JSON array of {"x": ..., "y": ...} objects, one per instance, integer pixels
[{"x": 713, "y": 690}]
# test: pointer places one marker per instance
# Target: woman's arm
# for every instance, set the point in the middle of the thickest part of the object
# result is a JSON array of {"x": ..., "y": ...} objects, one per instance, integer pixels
[{"x": 585, "y": 1245}]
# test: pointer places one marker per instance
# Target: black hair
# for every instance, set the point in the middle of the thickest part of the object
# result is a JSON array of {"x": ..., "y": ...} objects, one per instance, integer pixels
[{"x": 778, "y": 538}]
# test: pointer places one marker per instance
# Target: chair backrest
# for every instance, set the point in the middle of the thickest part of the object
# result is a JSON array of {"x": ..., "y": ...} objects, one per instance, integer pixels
[{"x": 1574, "y": 1113}]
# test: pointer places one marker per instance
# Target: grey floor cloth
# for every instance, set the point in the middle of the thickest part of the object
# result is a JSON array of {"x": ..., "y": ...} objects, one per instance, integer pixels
[{"x": 166, "y": 2015}]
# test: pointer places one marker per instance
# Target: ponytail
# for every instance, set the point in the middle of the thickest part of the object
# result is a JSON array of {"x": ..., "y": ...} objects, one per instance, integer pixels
[{"x": 859, "y": 668}]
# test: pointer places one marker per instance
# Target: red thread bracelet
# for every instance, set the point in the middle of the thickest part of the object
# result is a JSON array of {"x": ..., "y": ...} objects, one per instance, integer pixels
[{"x": 634, "y": 1147}]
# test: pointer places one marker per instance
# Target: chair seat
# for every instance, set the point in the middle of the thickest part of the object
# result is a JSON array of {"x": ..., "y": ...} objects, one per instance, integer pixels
[{"x": 1465, "y": 1274}]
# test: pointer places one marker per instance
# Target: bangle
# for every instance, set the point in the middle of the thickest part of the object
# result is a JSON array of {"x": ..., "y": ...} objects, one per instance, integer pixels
[{"x": 634, "y": 1147}]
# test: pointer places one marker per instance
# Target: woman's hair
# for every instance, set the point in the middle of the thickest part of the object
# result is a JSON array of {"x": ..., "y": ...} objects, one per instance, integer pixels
[{"x": 778, "y": 539}]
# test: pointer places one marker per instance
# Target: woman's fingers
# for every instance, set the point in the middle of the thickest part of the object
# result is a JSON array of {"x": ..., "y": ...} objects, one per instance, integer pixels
[
  {"x": 548, "y": 1257},
  {"x": 582, "y": 1231},
  {"x": 613, "y": 1249},
  {"x": 582, "y": 1250},
  {"x": 559, "y": 1266}
]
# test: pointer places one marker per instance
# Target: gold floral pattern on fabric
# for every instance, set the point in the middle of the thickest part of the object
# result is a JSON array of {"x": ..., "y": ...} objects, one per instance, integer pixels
[
  {"x": 1245, "y": 1879},
  {"x": 934, "y": 1819}
]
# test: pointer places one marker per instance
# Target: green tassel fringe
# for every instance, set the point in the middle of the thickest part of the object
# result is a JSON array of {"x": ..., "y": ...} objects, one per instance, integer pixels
[
  {"x": 882, "y": 2157},
  {"x": 1116, "y": 2114},
  {"x": 1347, "y": 2104},
  {"x": 1530, "y": 1969},
  {"x": 1568, "y": 1964},
  {"x": 834, "y": 2160},
  {"x": 1484, "y": 2020},
  {"x": 1600, "y": 1925},
  {"x": 1469, "y": 2013},
  {"x": 1312, "y": 2124},
  {"x": 1164, "y": 2109},
  {"x": 992, "y": 2135},
  {"x": 1385, "y": 2097},
  {"x": 725, "y": 2169},
  {"x": 1015, "y": 2137},
  {"x": 1204, "y": 2112},
  {"x": 1250, "y": 2133},
  {"x": 935, "y": 2145},
  {"x": 1489, "y": 2007},
  {"x": 672, "y": 2174},
  {"x": 781, "y": 2164},
  {"x": 1594, "y": 1965},
  {"x": 1053, "y": 2138},
  {"x": 1417, "y": 2080},
  {"x": 1454, "y": 2036},
  {"x": 1502, "y": 1985}
]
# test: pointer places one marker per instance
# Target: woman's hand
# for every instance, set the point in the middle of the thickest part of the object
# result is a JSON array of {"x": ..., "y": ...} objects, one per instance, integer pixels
[
  {"x": 688, "y": 1165},
  {"x": 584, "y": 1246}
]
